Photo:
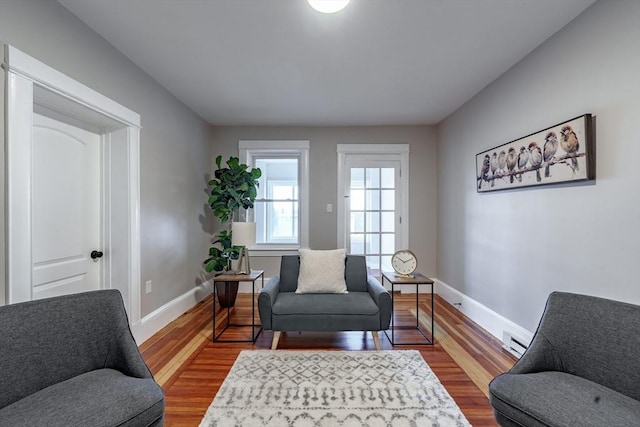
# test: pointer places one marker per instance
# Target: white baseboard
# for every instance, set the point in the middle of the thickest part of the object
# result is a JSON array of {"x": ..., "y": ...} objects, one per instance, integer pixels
[
  {"x": 488, "y": 319},
  {"x": 158, "y": 319}
]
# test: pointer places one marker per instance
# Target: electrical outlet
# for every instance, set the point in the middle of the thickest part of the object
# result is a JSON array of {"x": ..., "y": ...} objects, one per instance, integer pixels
[
  {"x": 329, "y": 207},
  {"x": 148, "y": 287}
]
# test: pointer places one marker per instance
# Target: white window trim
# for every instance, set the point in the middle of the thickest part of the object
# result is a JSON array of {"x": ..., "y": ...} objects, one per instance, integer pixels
[
  {"x": 250, "y": 149},
  {"x": 402, "y": 153}
]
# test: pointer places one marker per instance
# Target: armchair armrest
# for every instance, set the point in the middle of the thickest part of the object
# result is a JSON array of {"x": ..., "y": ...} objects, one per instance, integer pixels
[
  {"x": 382, "y": 298},
  {"x": 123, "y": 354},
  {"x": 539, "y": 357},
  {"x": 266, "y": 299}
]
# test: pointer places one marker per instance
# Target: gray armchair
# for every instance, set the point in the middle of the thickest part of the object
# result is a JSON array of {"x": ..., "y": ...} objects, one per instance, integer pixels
[
  {"x": 581, "y": 369},
  {"x": 72, "y": 361},
  {"x": 367, "y": 306}
]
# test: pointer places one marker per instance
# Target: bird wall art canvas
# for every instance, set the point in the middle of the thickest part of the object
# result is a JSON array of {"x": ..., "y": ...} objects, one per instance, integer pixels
[{"x": 559, "y": 154}]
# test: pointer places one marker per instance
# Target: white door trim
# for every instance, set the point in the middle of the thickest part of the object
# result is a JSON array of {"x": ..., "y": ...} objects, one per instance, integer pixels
[
  {"x": 401, "y": 153},
  {"x": 33, "y": 85}
]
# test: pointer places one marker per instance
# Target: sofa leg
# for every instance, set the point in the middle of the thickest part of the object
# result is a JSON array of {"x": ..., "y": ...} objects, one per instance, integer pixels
[
  {"x": 376, "y": 340},
  {"x": 276, "y": 338}
]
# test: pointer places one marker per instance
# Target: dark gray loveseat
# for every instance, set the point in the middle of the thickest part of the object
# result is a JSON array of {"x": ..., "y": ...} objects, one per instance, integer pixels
[
  {"x": 367, "y": 306},
  {"x": 72, "y": 361},
  {"x": 581, "y": 369}
]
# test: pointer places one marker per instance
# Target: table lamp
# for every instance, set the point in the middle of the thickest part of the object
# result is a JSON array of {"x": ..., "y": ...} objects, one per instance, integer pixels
[{"x": 243, "y": 234}]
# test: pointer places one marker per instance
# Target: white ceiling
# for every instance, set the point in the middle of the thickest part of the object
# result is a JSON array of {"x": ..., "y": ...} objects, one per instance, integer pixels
[{"x": 278, "y": 62}]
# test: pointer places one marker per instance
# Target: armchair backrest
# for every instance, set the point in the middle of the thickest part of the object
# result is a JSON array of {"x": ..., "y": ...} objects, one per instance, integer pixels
[
  {"x": 355, "y": 273},
  {"x": 594, "y": 338},
  {"x": 48, "y": 341}
]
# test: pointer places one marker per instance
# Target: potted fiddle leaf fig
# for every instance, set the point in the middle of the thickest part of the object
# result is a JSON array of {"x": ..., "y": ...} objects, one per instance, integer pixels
[{"x": 233, "y": 187}]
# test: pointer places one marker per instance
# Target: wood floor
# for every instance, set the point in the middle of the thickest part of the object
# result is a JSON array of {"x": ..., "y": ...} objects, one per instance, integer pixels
[{"x": 191, "y": 368}]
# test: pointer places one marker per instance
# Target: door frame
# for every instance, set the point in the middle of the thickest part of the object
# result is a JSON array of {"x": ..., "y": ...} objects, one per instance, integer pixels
[
  {"x": 398, "y": 152},
  {"x": 34, "y": 86}
]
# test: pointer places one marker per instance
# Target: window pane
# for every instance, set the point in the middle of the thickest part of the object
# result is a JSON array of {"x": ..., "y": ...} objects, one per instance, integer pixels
[
  {"x": 283, "y": 223},
  {"x": 386, "y": 263},
  {"x": 357, "y": 222},
  {"x": 357, "y": 244},
  {"x": 387, "y": 177},
  {"x": 388, "y": 222},
  {"x": 388, "y": 200},
  {"x": 372, "y": 243},
  {"x": 373, "y": 200},
  {"x": 373, "y": 262},
  {"x": 373, "y": 178},
  {"x": 388, "y": 245},
  {"x": 276, "y": 222},
  {"x": 357, "y": 178},
  {"x": 276, "y": 174},
  {"x": 357, "y": 200},
  {"x": 373, "y": 222},
  {"x": 282, "y": 191}
]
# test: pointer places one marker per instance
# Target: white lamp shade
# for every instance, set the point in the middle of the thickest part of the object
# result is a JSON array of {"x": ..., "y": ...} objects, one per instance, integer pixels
[{"x": 243, "y": 233}]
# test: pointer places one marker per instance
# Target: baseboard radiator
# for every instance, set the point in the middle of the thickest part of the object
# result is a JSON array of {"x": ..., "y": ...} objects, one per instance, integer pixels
[{"x": 514, "y": 345}]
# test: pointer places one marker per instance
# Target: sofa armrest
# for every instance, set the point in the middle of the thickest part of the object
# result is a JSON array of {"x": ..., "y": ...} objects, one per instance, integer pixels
[
  {"x": 266, "y": 299},
  {"x": 382, "y": 298}
]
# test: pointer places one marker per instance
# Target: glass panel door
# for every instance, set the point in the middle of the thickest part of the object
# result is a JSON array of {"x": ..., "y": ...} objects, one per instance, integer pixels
[{"x": 372, "y": 212}]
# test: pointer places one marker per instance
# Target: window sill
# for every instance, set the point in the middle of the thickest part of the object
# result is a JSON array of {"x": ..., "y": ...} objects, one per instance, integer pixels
[{"x": 273, "y": 251}]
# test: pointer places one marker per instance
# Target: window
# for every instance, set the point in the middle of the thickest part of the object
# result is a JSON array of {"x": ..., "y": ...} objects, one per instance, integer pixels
[
  {"x": 280, "y": 210},
  {"x": 277, "y": 205}
]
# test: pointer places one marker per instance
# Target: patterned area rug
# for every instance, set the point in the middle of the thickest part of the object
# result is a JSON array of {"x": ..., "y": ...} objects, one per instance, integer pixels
[{"x": 332, "y": 388}]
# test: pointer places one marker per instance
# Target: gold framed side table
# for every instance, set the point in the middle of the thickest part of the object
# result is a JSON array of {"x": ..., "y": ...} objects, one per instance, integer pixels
[
  {"x": 416, "y": 279},
  {"x": 256, "y": 328}
]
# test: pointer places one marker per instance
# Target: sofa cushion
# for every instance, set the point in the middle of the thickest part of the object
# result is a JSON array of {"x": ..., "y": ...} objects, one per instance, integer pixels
[
  {"x": 560, "y": 399},
  {"x": 353, "y": 303},
  {"x": 322, "y": 271},
  {"x": 104, "y": 397}
]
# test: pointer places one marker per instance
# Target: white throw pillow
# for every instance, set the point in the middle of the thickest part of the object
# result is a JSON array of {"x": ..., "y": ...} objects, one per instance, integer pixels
[{"x": 322, "y": 272}]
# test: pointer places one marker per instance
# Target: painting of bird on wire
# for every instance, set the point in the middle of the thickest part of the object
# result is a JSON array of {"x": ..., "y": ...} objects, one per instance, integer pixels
[{"x": 559, "y": 154}]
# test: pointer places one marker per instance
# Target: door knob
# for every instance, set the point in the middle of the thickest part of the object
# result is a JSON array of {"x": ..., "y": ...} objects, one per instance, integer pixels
[{"x": 96, "y": 254}]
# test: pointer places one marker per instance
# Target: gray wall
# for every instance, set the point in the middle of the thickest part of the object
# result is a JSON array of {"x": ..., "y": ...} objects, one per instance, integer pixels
[
  {"x": 510, "y": 249},
  {"x": 2, "y": 172},
  {"x": 175, "y": 142},
  {"x": 323, "y": 185}
]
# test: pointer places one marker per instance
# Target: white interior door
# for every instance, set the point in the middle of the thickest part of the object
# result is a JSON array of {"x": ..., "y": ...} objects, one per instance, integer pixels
[
  {"x": 32, "y": 86},
  {"x": 66, "y": 215}
]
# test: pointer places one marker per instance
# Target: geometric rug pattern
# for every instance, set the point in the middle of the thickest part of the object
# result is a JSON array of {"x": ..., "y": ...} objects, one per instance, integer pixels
[{"x": 332, "y": 388}]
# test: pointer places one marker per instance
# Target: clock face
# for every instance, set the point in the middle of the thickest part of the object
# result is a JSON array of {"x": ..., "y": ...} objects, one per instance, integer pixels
[{"x": 404, "y": 262}]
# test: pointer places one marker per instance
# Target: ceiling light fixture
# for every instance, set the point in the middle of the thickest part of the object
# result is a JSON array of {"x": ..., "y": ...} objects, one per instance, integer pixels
[{"x": 328, "y": 6}]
